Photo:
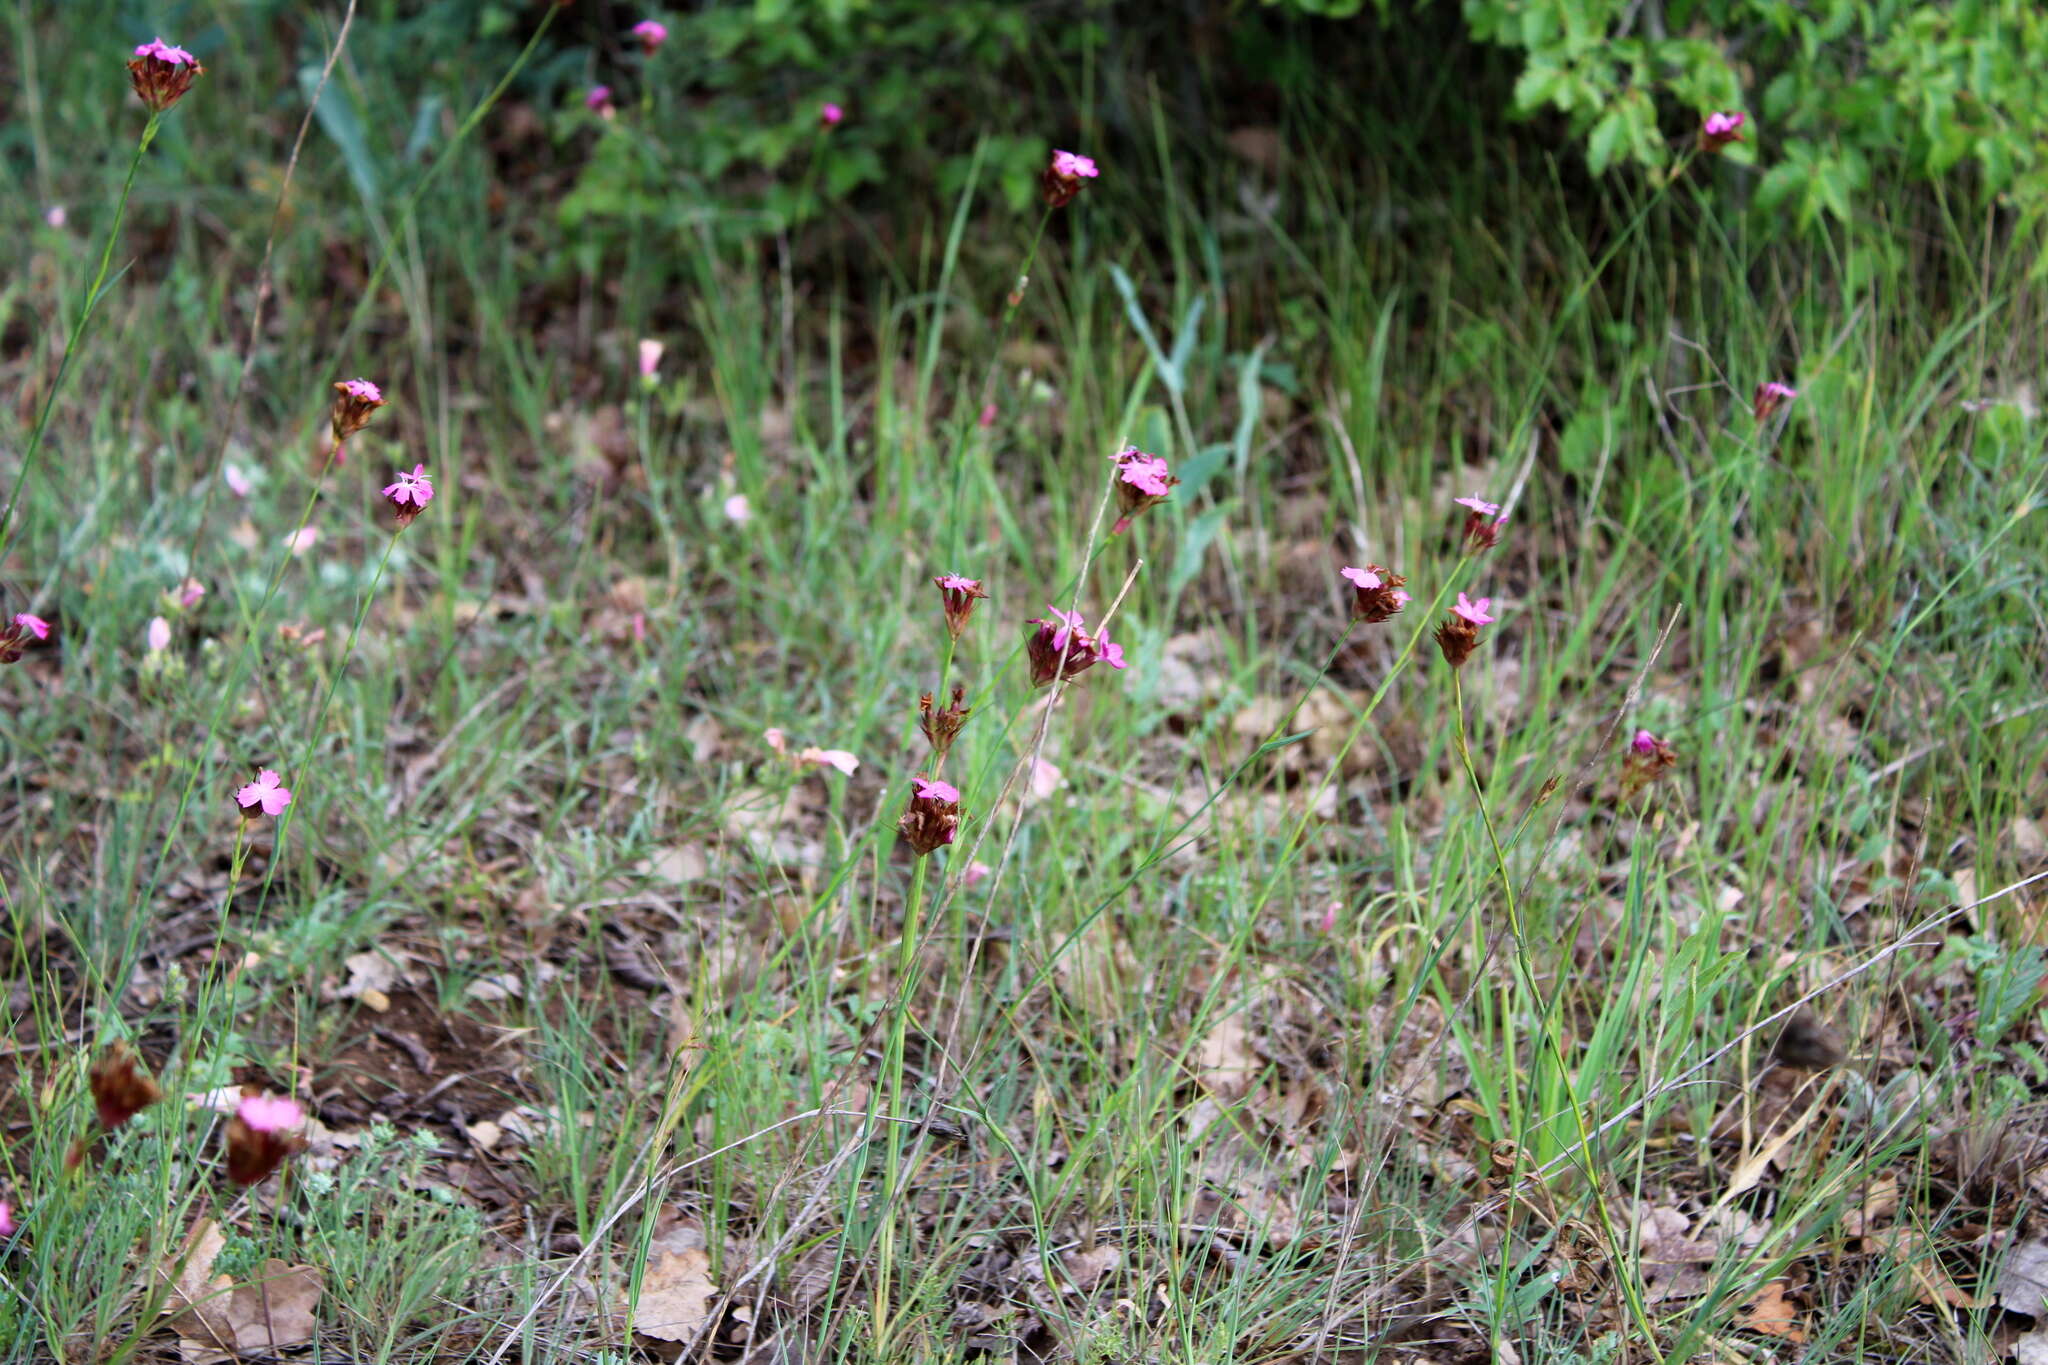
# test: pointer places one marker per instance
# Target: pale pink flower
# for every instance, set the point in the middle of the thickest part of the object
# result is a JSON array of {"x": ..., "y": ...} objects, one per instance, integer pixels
[
  {"x": 302, "y": 540},
  {"x": 1329, "y": 920},
  {"x": 650, "y": 356},
  {"x": 265, "y": 796},
  {"x": 1480, "y": 533},
  {"x": 652, "y": 33},
  {"x": 271, "y": 1113},
  {"x": 190, "y": 592},
  {"x": 640, "y": 625},
  {"x": 1375, "y": 591},
  {"x": 597, "y": 97},
  {"x": 1365, "y": 579},
  {"x": 236, "y": 480},
  {"x": 1146, "y": 473},
  {"x": 1479, "y": 505},
  {"x": 1475, "y": 611},
  {"x": 975, "y": 875},
  {"x": 988, "y": 416},
  {"x": 1044, "y": 779},
  {"x": 1717, "y": 130},
  {"x": 934, "y": 789},
  {"x": 776, "y": 740},
  {"x": 159, "y": 636},
  {"x": 829, "y": 758},
  {"x": 957, "y": 596},
  {"x": 55, "y": 215},
  {"x": 738, "y": 510},
  {"x": 1073, "y": 164},
  {"x": 33, "y": 624},
  {"x": 829, "y": 115}
]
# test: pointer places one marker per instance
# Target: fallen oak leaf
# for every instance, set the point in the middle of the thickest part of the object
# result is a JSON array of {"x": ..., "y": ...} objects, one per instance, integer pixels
[
  {"x": 224, "y": 1321},
  {"x": 1772, "y": 1314},
  {"x": 675, "y": 1297}
]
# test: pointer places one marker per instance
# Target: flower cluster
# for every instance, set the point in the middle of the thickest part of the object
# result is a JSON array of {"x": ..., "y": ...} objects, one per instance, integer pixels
[
  {"x": 162, "y": 74},
  {"x": 1064, "y": 177},
  {"x": 1060, "y": 650},
  {"x": 1141, "y": 480},
  {"x": 17, "y": 631}
]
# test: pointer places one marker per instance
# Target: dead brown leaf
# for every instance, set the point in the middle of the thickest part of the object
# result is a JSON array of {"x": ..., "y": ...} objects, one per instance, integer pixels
[
  {"x": 1772, "y": 1314},
  {"x": 217, "y": 1320},
  {"x": 675, "y": 1296},
  {"x": 2023, "y": 1279}
]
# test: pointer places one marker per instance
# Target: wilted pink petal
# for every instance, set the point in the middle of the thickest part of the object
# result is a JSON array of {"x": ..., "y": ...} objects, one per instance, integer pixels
[
  {"x": 236, "y": 480},
  {"x": 829, "y": 758},
  {"x": 1043, "y": 781},
  {"x": 272, "y": 1114},
  {"x": 302, "y": 540},
  {"x": 777, "y": 741},
  {"x": 738, "y": 510},
  {"x": 650, "y": 357},
  {"x": 976, "y": 874},
  {"x": 33, "y": 624}
]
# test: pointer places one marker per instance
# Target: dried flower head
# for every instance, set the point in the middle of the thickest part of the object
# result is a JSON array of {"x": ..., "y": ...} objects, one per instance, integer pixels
[
  {"x": 958, "y": 595},
  {"x": 1376, "y": 593},
  {"x": 941, "y": 724},
  {"x": 1482, "y": 522},
  {"x": 1458, "y": 636},
  {"x": 409, "y": 494},
  {"x": 1064, "y": 176},
  {"x": 652, "y": 33},
  {"x": 1769, "y": 397},
  {"x": 265, "y": 796},
  {"x": 264, "y": 1131},
  {"x": 354, "y": 401},
  {"x": 162, "y": 74},
  {"x": 1718, "y": 129},
  {"x": 16, "y": 633},
  {"x": 1141, "y": 480},
  {"x": 933, "y": 817},
  {"x": 829, "y": 115},
  {"x": 121, "y": 1086}
]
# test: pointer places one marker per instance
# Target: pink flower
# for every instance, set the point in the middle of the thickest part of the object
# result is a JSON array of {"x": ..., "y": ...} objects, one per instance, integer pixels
[
  {"x": 1480, "y": 533},
  {"x": 934, "y": 789},
  {"x": 1074, "y": 165},
  {"x": 1043, "y": 781},
  {"x": 776, "y": 740},
  {"x": 652, "y": 33},
  {"x": 190, "y": 592},
  {"x": 271, "y": 1114},
  {"x": 1329, "y": 920},
  {"x": 1644, "y": 742},
  {"x": 957, "y": 596},
  {"x": 988, "y": 416},
  {"x": 15, "y": 635},
  {"x": 1376, "y": 592},
  {"x": 738, "y": 510},
  {"x": 6, "y": 1219},
  {"x": 1109, "y": 652},
  {"x": 159, "y": 637},
  {"x": 1067, "y": 623},
  {"x": 650, "y": 356},
  {"x": 302, "y": 540},
  {"x": 975, "y": 875},
  {"x": 264, "y": 796},
  {"x": 640, "y": 626},
  {"x": 55, "y": 215},
  {"x": 829, "y": 115},
  {"x": 354, "y": 401},
  {"x": 1717, "y": 130},
  {"x": 829, "y": 758},
  {"x": 236, "y": 480},
  {"x": 409, "y": 494},
  {"x": 597, "y": 97},
  {"x": 1146, "y": 473},
  {"x": 1770, "y": 397},
  {"x": 1063, "y": 177},
  {"x": 161, "y": 74},
  {"x": 1475, "y": 612},
  {"x": 1061, "y": 650}
]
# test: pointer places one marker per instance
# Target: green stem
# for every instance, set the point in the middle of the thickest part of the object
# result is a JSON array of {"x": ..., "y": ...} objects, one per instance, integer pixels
[
  {"x": 1631, "y": 1288},
  {"x": 92, "y": 298}
]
